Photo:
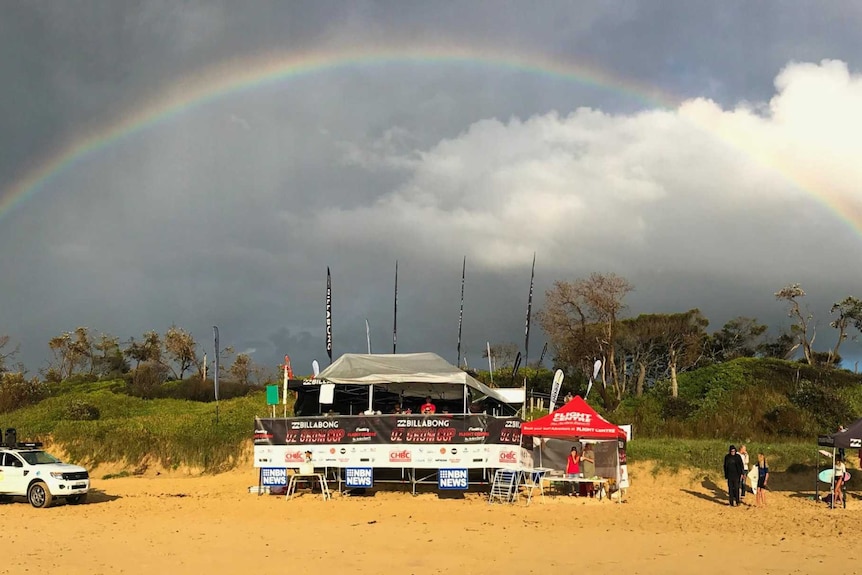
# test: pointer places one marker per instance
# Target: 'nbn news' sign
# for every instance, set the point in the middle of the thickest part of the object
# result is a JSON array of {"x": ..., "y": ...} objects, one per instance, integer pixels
[
  {"x": 358, "y": 477},
  {"x": 273, "y": 476},
  {"x": 452, "y": 479}
]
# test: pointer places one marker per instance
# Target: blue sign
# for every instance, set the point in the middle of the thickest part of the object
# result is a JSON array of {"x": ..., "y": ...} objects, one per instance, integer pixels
[
  {"x": 273, "y": 476},
  {"x": 359, "y": 477},
  {"x": 452, "y": 479}
]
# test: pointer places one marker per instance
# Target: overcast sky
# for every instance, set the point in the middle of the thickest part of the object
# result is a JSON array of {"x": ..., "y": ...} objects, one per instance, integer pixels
[{"x": 741, "y": 178}]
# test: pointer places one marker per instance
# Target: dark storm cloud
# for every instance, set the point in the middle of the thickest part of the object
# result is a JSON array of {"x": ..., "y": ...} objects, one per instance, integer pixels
[{"x": 229, "y": 213}]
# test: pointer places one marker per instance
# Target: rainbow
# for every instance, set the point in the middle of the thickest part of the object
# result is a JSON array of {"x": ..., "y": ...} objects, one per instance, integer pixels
[
  {"x": 234, "y": 77},
  {"x": 237, "y": 76}
]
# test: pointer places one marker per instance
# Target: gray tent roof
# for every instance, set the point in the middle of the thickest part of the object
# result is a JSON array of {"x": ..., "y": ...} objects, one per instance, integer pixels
[
  {"x": 414, "y": 374},
  {"x": 850, "y": 438}
]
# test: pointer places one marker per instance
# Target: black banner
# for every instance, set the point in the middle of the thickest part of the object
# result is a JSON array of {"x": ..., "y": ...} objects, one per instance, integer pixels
[
  {"x": 328, "y": 314},
  {"x": 388, "y": 429}
]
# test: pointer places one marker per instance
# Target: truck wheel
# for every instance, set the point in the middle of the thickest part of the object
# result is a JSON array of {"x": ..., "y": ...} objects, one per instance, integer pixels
[
  {"x": 77, "y": 499},
  {"x": 38, "y": 495}
]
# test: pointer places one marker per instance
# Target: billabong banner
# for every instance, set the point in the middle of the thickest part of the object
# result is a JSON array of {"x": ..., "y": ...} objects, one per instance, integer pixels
[{"x": 471, "y": 441}]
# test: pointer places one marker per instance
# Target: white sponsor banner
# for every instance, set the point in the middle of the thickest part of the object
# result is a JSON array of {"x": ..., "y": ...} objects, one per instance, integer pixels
[{"x": 429, "y": 456}]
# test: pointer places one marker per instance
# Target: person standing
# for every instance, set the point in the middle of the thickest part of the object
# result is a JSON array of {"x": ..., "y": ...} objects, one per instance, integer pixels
[
  {"x": 588, "y": 467},
  {"x": 840, "y": 471},
  {"x": 743, "y": 454},
  {"x": 732, "y": 473},
  {"x": 762, "y": 480},
  {"x": 428, "y": 407},
  {"x": 573, "y": 468}
]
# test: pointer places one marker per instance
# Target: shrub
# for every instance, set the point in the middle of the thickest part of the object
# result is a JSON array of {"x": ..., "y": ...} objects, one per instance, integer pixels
[
  {"x": 677, "y": 408},
  {"x": 17, "y": 391},
  {"x": 145, "y": 381},
  {"x": 786, "y": 421},
  {"x": 824, "y": 401},
  {"x": 80, "y": 410}
]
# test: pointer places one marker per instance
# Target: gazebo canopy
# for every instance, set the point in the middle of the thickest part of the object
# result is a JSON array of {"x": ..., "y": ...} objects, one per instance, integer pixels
[
  {"x": 574, "y": 419},
  {"x": 408, "y": 374},
  {"x": 850, "y": 438}
]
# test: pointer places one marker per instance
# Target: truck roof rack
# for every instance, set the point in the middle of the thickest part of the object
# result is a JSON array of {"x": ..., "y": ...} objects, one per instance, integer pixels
[{"x": 22, "y": 445}]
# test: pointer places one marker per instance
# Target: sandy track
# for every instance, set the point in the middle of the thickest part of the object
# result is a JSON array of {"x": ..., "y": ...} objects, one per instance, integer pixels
[{"x": 181, "y": 524}]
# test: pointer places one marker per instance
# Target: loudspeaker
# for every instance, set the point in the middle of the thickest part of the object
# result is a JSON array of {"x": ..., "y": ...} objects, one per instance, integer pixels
[{"x": 11, "y": 436}]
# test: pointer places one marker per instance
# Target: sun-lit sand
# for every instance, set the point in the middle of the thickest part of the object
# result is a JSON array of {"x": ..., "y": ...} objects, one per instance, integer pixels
[{"x": 672, "y": 523}]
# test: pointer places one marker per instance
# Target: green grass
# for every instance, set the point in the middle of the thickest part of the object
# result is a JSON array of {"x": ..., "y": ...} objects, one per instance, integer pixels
[
  {"x": 130, "y": 430},
  {"x": 775, "y": 406},
  {"x": 673, "y": 454}
]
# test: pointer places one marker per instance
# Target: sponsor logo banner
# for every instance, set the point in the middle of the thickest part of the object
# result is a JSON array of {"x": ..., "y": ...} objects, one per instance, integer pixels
[
  {"x": 388, "y": 429},
  {"x": 359, "y": 477},
  {"x": 452, "y": 479},
  {"x": 273, "y": 476}
]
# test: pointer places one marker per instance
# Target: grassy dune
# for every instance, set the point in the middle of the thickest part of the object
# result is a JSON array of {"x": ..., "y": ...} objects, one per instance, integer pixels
[
  {"x": 773, "y": 406},
  {"x": 129, "y": 429}
]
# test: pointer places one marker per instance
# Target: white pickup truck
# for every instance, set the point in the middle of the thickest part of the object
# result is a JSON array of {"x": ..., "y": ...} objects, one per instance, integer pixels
[{"x": 28, "y": 471}]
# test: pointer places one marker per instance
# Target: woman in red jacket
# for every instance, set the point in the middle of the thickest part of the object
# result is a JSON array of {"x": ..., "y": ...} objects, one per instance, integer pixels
[{"x": 573, "y": 467}]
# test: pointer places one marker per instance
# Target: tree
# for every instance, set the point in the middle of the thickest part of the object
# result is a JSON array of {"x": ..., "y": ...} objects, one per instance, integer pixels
[
  {"x": 639, "y": 346},
  {"x": 791, "y": 294},
  {"x": 109, "y": 360},
  {"x": 181, "y": 348},
  {"x": 502, "y": 354},
  {"x": 581, "y": 320},
  {"x": 782, "y": 347},
  {"x": 148, "y": 350},
  {"x": 849, "y": 314},
  {"x": 739, "y": 337},
  {"x": 6, "y": 355},
  {"x": 242, "y": 368},
  {"x": 72, "y": 351},
  {"x": 684, "y": 336}
]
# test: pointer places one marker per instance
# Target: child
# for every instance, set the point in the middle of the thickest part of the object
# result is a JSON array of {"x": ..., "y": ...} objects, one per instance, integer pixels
[
  {"x": 840, "y": 470},
  {"x": 762, "y": 479}
]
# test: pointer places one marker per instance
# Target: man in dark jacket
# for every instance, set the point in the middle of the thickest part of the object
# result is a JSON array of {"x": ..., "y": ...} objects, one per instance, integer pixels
[{"x": 733, "y": 472}]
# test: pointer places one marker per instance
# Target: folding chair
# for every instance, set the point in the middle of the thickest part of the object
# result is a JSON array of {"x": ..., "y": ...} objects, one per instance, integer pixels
[
  {"x": 504, "y": 487},
  {"x": 533, "y": 480}
]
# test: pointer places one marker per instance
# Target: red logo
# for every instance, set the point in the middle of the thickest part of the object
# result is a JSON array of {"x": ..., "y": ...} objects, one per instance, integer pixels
[
  {"x": 508, "y": 457},
  {"x": 575, "y": 416},
  {"x": 332, "y": 450},
  {"x": 296, "y": 456},
  {"x": 403, "y": 456},
  {"x": 443, "y": 451}
]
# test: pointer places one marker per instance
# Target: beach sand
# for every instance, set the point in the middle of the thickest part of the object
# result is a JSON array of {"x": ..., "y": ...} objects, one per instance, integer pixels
[{"x": 185, "y": 523}]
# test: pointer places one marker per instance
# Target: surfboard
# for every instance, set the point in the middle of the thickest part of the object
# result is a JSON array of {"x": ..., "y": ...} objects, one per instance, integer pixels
[
  {"x": 753, "y": 476},
  {"x": 826, "y": 476},
  {"x": 825, "y": 453}
]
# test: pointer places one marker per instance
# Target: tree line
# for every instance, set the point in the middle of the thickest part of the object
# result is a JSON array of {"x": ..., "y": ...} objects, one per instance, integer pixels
[
  {"x": 585, "y": 321},
  {"x": 173, "y": 355}
]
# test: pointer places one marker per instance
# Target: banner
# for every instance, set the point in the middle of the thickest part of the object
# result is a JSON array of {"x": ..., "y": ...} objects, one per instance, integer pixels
[
  {"x": 467, "y": 441},
  {"x": 217, "y": 354},
  {"x": 395, "y": 311},
  {"x": 555, "y": 387},
  {"x": 461, "y": 313},
  {"x": 529, "y": 311},
  {"x": 328, "y": 314}
]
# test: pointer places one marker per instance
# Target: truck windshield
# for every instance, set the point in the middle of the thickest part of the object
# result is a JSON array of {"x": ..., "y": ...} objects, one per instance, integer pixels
[{"x": 38, "y": 457}]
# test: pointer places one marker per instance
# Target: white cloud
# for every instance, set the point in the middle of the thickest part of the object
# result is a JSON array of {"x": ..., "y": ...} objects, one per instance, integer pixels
[{"x": 689, "y": 185}]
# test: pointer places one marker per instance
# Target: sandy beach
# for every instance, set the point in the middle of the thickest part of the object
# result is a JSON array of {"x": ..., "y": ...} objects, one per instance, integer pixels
[{"x": 186, "y": 523}]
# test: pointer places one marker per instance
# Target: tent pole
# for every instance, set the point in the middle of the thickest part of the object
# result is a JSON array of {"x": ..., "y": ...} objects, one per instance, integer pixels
[
  {"x": 817, "y": 475},
  {"x": 832, "y": 485},
  {"x": 370, "y": 397},
  {"x": 465, "y": 399}
]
